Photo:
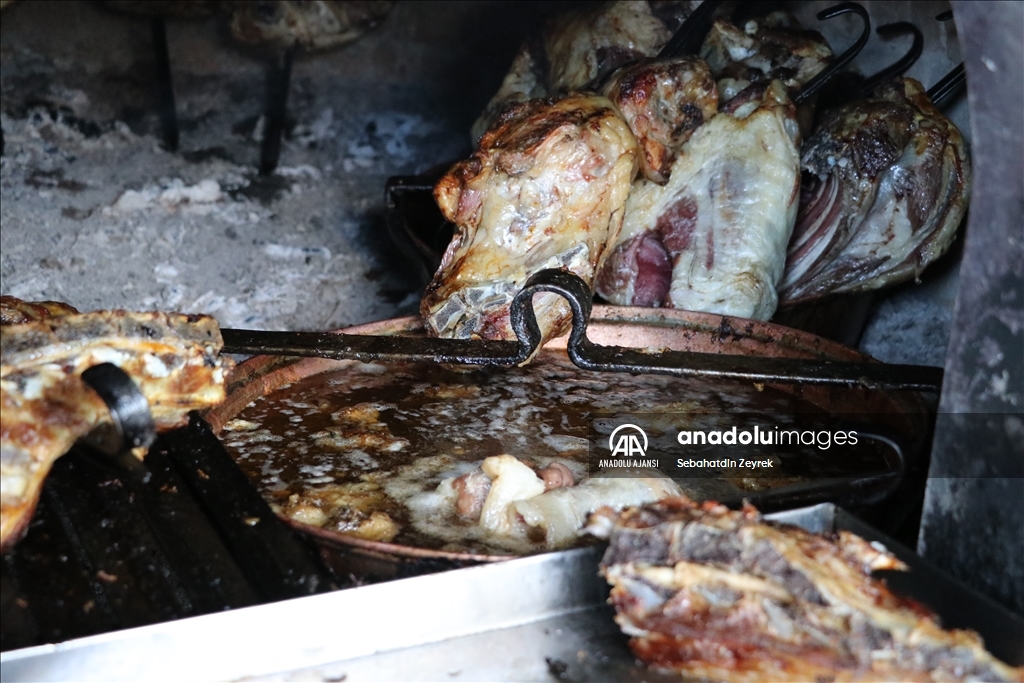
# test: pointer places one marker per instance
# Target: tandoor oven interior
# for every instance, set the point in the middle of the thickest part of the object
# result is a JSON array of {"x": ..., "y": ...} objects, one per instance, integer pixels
[{"x": 92, "y": 214}]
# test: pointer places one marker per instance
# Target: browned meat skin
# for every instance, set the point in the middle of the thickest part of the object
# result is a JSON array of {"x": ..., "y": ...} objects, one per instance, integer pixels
[
  {"x": 585, "y": 46},
  {"x": 723, "y": 595},
  {"x": 713, "y": 239},
  {"x": 773, "y": 48},
  {"x": 14, "y": 311},
  {"x": 663, "y": 103},
  {"x": 306, "y": 24},
  {"x": 46, "y": 406},
  {"x": 576, "y": 50},
  {"x": 545, "y": 189},
  {"x": 886, "y": 184}
]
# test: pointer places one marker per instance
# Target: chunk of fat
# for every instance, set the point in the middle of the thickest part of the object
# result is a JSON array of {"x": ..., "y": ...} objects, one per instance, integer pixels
[
  {"x": 511, "y": 481},
  {"x": 562, "y": 512}
]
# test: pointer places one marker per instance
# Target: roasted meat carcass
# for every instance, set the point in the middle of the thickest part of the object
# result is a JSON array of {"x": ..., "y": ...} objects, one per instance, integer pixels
[
  {"x": 663, "y": 102},
  {"x": 545, "y": 189},
  {"x": 723, "y": 595},
  {"x": 714, "y": 238},
  {"x": 307, "y": 24},
  {"x": 576, "y": 50},
  {"x": 772, "y": 48},
  {"x": 886, "y": 184},
  {"x": 46, "y": 406}
]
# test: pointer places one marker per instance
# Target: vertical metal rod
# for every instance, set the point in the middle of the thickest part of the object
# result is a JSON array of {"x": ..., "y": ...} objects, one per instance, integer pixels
[
  {"x": 165, "y": 86},
  {"x": 278, "y": 75}
]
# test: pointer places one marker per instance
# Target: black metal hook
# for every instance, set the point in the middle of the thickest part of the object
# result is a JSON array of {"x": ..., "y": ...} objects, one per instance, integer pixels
[
  {"x": 904, "y": 63},
  {"x": 815, "y": 84},
  {"x": 567, "y": 285},
  {"x": 129, "y": 411},
  {"x": 687, "y": 40}
]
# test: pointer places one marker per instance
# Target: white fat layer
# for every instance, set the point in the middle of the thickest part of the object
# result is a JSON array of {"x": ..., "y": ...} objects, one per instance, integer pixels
[
  {"x": 741, "y": 175},
  {"x": 107, "y": 355},
  {"x": 562, "y": 512},
  {"x": 511, "y": 481},
  {"x": 154, "y": 367}
]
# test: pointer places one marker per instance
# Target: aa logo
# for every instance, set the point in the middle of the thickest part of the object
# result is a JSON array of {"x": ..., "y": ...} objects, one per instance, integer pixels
[{"x": 625, "y": 441}]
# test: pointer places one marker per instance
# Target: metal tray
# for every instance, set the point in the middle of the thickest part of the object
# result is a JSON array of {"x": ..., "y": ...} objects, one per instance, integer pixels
[{"x": 535, "y": 618}]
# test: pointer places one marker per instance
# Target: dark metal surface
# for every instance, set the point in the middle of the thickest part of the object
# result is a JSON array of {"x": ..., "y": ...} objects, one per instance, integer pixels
[
  {"x": 166, "y": 108},
  {"x": 107, "y": 549},
  {"x": 582, "y": 352},
  {"x": 279, "y": 73},
  {"x": 948, "y": 85},
  {"x": 973, "y": 516}
]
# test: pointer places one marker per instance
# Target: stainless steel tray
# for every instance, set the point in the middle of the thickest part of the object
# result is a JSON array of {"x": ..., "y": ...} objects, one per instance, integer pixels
[{"x": 536, "y": 618}]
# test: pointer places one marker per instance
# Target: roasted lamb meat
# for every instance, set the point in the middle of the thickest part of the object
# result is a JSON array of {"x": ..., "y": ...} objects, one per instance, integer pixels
[
  {"x": 576, "y": 50},
  {"x": 714, "y": 237},
  {"x": 772, "y": 48},
  {"x": 545, "y": 189},
  {"x": 663, "y": 102},
  {"x": 724, "y": 595},
  {"x": 46, "y": 406},
  {"x": 308, "y": 24},
  {"x": 886, "y": 184}
]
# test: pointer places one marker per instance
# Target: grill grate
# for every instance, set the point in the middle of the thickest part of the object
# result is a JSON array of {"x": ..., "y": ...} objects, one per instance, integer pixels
[{"x": 109, "y": 549}]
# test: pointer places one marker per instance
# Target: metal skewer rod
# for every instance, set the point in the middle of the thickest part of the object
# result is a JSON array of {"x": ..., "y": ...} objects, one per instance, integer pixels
[
  {"x": 582, "y": 351},
  {"x": 948, "y": 86},
  {"x": 279, "y": 74},
  {"x": 815, "y": 84},
  {"x": 166, "y": 108}
]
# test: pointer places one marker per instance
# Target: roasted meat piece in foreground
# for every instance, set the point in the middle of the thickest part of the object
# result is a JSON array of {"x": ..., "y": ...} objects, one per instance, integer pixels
[
  {"x": 46, "y": 406},
  {"x": 723, "y": 595},
  {"x": 886, "y": 184},
  {"x": 578, "y": 49},
  {"x": 714, "y": 238},
  {"x": 663, "y": 102},
  {"x": 772, "y": 48},
  {"x": 545, "y": 189}
]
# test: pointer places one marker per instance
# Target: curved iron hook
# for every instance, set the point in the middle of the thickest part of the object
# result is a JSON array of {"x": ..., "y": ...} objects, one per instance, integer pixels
[
  {"x": 815, "y": 84},
  {"x": 901, "y": 65},
  {"x": 688, "y": 38},
  {"x": 524, "y": 320}
]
